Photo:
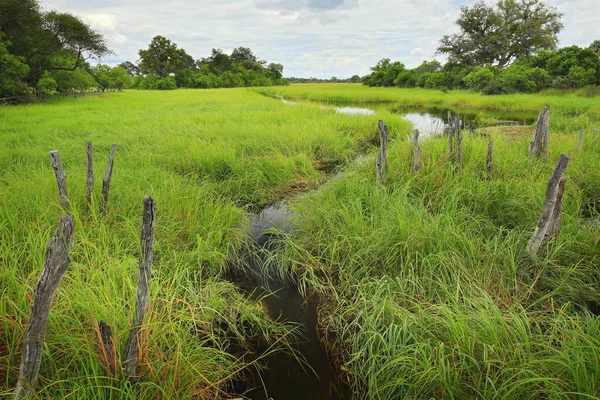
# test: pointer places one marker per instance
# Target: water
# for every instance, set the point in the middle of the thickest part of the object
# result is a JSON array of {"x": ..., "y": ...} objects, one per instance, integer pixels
[
  {"x": 354, "y": 111},
  {"x": 316, "y": 376}
]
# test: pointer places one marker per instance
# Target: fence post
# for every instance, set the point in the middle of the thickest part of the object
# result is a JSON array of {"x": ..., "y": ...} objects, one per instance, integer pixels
[
  {"x": 55, "y": 266},
  {"x": 107, "y": 178},
  {"x": 382, "y": 156},
  {"x": 580, "y": 140},
  {"x": 539, "y": 142},
  {"x": 450, "y": 134},
  {"x": 106, "y": 346},
  {"x": 416, "y": 152},
  {"x": 549, "y": 211},
  {"x": 61, "y": 180},
  {"x": 490, "y": 159},
  {"x": 459, "y": 155},
  {"x": 131, "y": 352},
  {"x": 90, "y": 174}
]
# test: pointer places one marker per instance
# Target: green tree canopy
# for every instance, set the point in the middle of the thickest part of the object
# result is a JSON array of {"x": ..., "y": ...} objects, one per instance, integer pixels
[
  {"x": 163, "y": 58},
  {"x": 498, "y": 35}
]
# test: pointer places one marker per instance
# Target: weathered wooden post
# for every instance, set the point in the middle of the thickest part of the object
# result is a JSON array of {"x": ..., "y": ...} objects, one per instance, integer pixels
[
  {"x": 580, "y": 140},
  {"x": 416, "y": 152},
  {"x": 131, "y": 352},
  {"x": 546, "y": 222},
  {"x": 107, "y": 178},
  {"x": 382, "y": 156},
  {"x": 55, "y": 266},
  {"x": 555, "y": 227},
  {"x": 61, "y": 180},
  {"x": 539, "y": 142},
  {"x": 90, "y": 174},
  {"x": 596, "y": 133},
  {"x": 450, "y": 134},
  {"x": 490, "y": 159},
  {"x": 459, "y": 155}
]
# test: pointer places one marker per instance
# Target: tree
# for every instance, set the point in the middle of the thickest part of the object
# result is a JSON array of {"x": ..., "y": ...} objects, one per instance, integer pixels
[
  {"x": 48, "y": 41},
  {"x": 595, "y": 46},
  {"x": 498, "y": 35},
  {"x": 12, "y": 70},
  {"x": 130, "y": 68},
  {"x": 276, "y": 69},
  {"x": 241, "y": 54},
  {"x": 163, "y": 58}
]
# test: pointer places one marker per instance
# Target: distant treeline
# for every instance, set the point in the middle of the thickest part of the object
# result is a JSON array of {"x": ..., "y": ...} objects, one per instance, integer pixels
[
  {"x": 47, "y": 52},
  {"x": 571, "y": 67},
  {"x": 507, "y": 47},
  {"x": 333, "y": 79},
  {"x": 164, "y": 66}
]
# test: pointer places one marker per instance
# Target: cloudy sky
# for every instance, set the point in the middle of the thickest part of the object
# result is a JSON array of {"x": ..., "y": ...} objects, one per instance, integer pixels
[{"x": 320, "y": 38}]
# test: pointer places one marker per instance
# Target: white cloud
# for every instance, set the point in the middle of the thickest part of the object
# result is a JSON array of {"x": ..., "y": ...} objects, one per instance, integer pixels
[{"x": 320, "y": 38}]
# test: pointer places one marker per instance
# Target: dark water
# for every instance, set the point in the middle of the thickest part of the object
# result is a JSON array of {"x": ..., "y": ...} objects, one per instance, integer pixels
[{"x": 313, "y": 375}]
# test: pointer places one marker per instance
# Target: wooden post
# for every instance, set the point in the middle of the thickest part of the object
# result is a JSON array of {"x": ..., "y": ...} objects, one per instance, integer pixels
[
  {"x": 596, "y": 133},
  {"x": 490, "y": 159},
  {"x": 459, "y": 155},
  {"x": 450, "y": 134},
  {"x": 107, "y": 178},
  {"x": 416, "y": 152},
  {"x": 61, "y": 180},
  {"x": 547, "y": 217},
  {"x": 555, "y": 227},
  {"x": 382, "y": 156},
  {"x": 90, "y": 174},
  {"x": 539, "y": 142},
  {"x": 131, "y": 352},
  {"x": 580, "y": 140},
  {"x": 55, "y": 266}
]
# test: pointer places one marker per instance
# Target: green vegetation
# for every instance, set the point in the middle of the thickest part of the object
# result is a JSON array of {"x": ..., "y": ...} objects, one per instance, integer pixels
[
  {"x": 509, "y": 47},
  {"x": 208, "y": 158},
  {"x": 167, "y": 67},
  {"x": 426, "y": 288}
]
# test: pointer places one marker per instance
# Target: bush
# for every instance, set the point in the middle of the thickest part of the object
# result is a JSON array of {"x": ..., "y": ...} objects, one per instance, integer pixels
[{"x": 479, "y": 78}]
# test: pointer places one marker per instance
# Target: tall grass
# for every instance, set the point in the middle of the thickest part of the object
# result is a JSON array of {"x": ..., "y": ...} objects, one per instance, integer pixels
[
  {"x": 207, "y": 158},
  {"x": 427, "y": 289},
  {"x": 432, "y": 292}
]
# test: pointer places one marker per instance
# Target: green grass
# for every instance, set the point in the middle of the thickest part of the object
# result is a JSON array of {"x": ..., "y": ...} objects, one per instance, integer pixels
[{"x": 427, "y": 289}]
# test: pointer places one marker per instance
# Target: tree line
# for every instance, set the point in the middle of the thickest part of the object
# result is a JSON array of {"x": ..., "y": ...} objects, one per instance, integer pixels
[
  {"x": 508, "y": 47},
  {"x": 48, "y": 52},
  {"x": 163, "y": 65}
]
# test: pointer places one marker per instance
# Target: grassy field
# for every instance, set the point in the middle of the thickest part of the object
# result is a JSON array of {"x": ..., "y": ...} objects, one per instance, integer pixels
[{"x": 427, "y": 289}]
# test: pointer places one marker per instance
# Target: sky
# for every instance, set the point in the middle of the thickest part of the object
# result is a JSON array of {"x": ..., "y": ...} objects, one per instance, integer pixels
[{"x": 311, "y": 38}]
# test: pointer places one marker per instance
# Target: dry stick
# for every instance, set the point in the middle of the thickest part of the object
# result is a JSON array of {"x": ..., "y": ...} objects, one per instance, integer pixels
[
  {"x": 90, "y": 174},
  {"x": 107, "y": 178},
  {"x": 539, "y": 142},
  {"x": 546, "y": 218},
  {"x": 55, "y": 266},
  {"x": 131, "y": 352},
  {"x": 382, "y": 156},
  {"x": 61, "y": 180},
  {"x": 416, "y": 152},
  {"x": 459, "y": 155},
  {"x": 490, "y": 159},
  {"x": 555, "y": 227},
  {"x": 580, "y": 140}
]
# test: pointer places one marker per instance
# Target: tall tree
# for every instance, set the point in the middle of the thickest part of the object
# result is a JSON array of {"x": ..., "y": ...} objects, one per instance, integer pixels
[
  {"x": 131, "y": 68},
  {"x": 48, "y": 41},
  {"x": 163, "y": 58},
  {"x": 498, "y": 35}
]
